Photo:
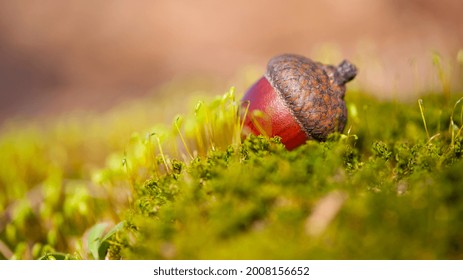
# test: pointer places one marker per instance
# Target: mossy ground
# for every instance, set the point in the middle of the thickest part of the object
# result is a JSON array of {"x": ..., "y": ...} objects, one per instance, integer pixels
[
  {"x": 396, "y": 194},
  {"x": 390, "y": 187}
]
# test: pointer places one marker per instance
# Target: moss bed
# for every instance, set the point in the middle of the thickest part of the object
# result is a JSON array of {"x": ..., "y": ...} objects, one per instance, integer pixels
[{"x": 390, "y": 187}]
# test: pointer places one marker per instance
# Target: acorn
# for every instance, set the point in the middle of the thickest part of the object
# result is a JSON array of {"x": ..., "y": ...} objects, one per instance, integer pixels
[{"x": 298, "y": 100}]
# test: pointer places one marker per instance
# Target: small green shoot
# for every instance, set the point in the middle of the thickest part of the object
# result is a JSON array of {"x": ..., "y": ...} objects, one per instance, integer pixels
[
  {"x": 161, "y": 152},
  {"x": 420, "y": 104},
  {"x": 453, "y": 127},
  {"x": 177, "y": 126},
  {"x": 444, "y": 76},
  {"x": 98, "y": 241}
]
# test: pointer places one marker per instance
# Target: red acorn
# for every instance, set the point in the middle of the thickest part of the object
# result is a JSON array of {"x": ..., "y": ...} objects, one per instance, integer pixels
[{"x": 300, "y": 100}]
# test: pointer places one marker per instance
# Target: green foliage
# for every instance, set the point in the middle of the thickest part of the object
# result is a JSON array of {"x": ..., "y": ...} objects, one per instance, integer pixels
[
  {"x": 98, "y": 242},
  {"x": 389, "y": 188}
]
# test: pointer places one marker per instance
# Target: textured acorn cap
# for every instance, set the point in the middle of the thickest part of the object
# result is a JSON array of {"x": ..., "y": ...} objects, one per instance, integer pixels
[{"x": 314, "y": 92}]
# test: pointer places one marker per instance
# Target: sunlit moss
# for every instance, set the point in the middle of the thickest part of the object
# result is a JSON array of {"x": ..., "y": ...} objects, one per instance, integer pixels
[{"x": 194, "y": 189}]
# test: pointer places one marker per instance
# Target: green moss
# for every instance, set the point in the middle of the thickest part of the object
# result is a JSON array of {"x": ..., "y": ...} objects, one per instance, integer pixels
[
  {"x": 389, "y": 188},
  {"x": 256, "y": 200}
]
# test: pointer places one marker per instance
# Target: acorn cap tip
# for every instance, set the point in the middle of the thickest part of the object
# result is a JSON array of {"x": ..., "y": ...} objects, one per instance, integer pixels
[{"x": 347, "y": 71}]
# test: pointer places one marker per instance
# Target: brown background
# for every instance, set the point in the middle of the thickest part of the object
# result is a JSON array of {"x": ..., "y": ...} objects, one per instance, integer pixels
[{"x": 61, "y": 55}]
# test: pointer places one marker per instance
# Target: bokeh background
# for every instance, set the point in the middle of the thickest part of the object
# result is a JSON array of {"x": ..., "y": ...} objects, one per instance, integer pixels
[{"x": 60, "y": 56}]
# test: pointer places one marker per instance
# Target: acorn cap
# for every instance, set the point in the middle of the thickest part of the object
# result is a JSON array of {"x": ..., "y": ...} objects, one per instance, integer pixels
[{"x": 313, "y": 91}]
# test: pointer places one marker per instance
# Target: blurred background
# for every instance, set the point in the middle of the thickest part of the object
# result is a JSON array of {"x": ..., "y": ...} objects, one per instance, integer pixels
[{"x": 60, "y": 56}]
